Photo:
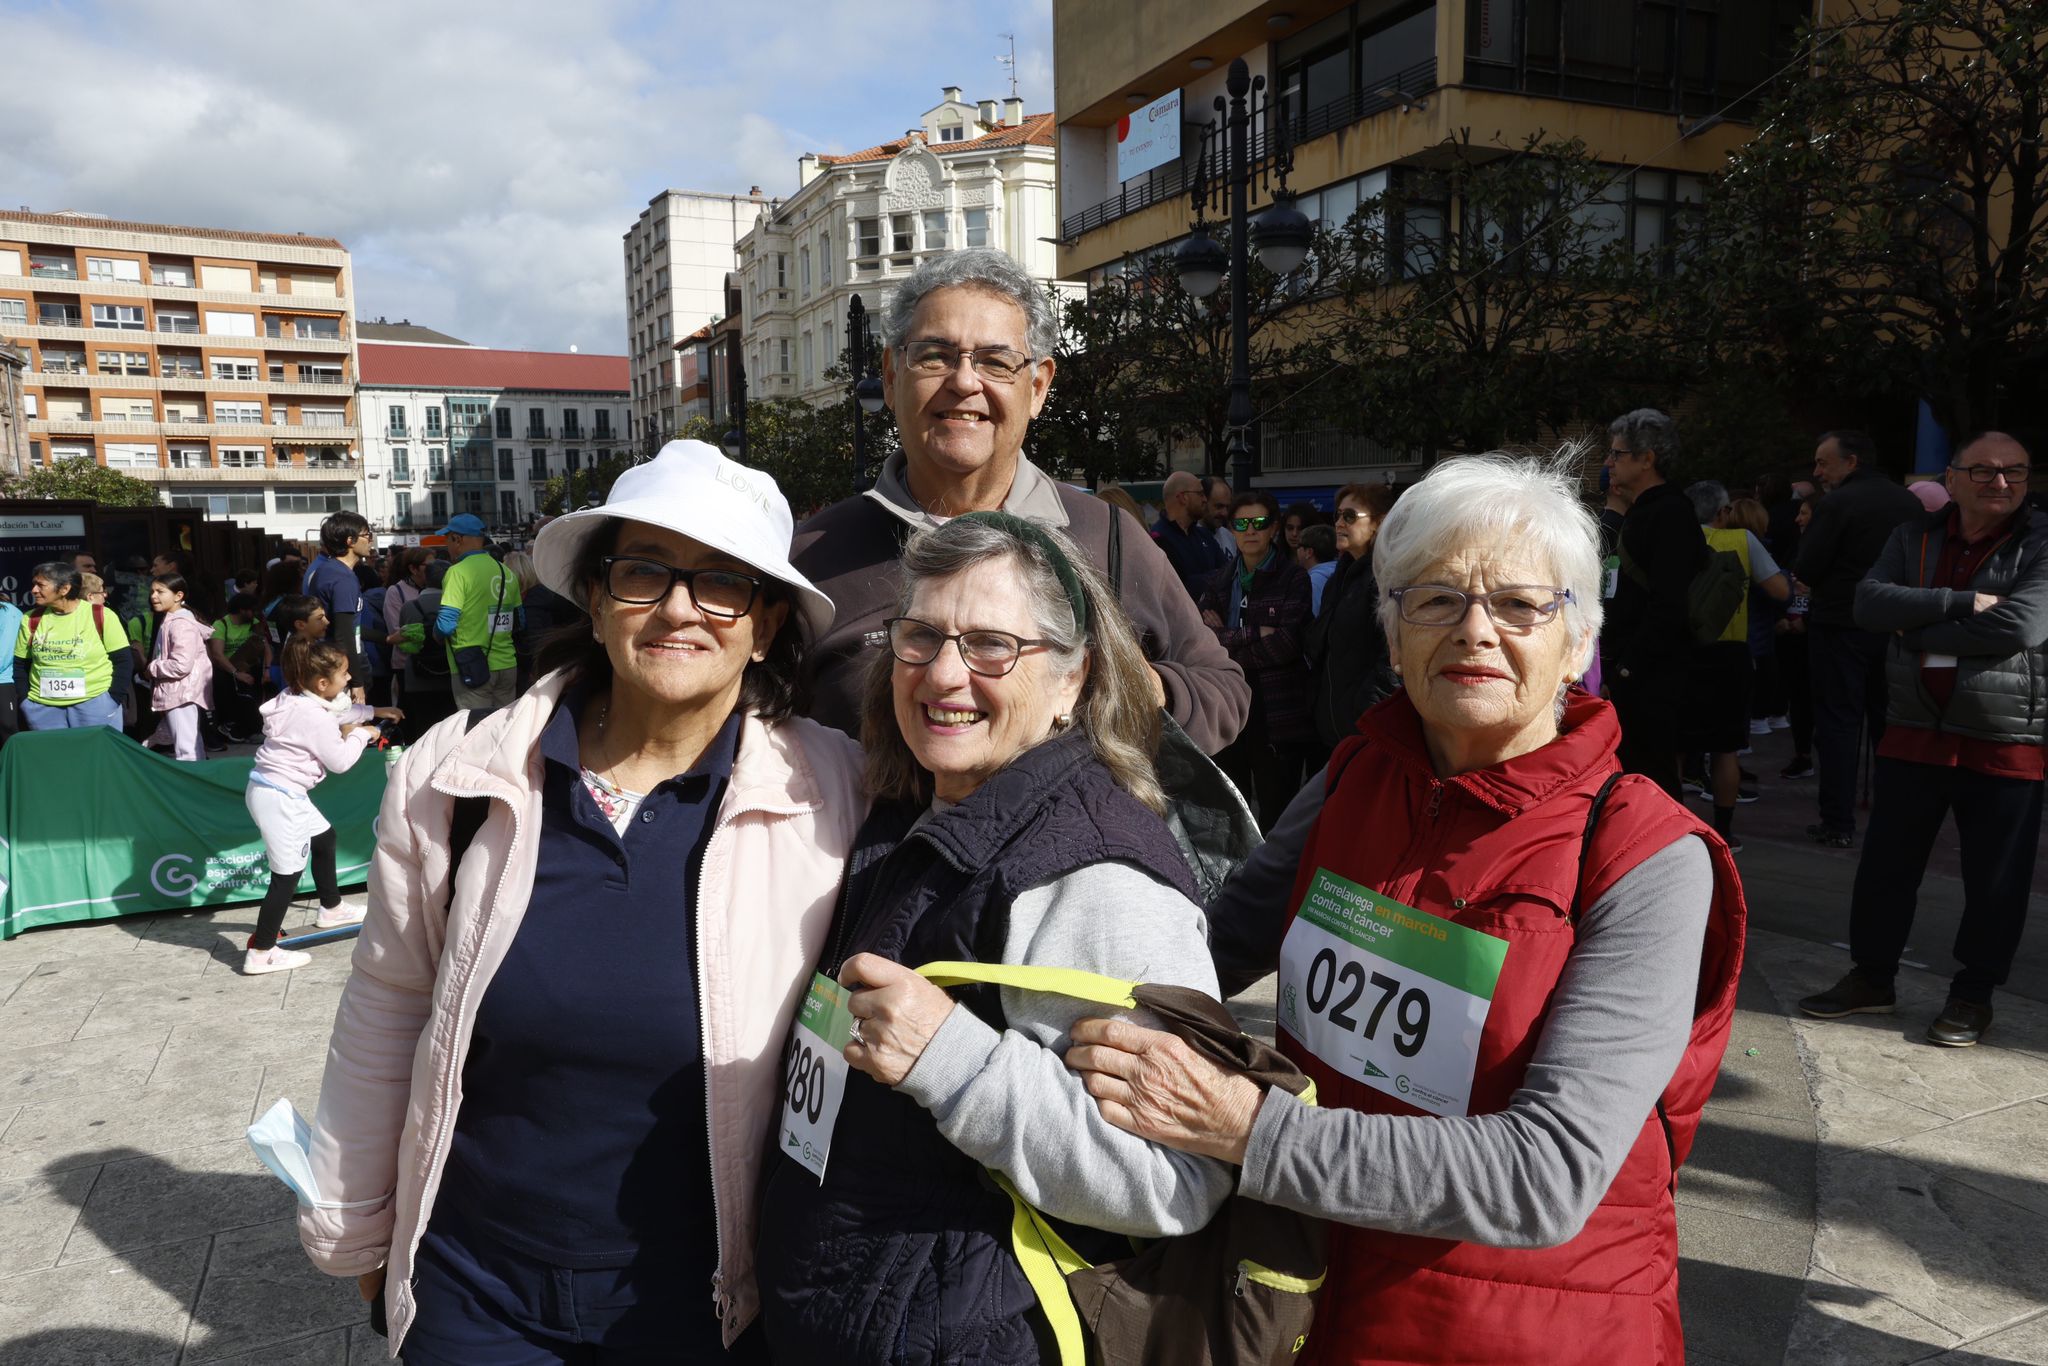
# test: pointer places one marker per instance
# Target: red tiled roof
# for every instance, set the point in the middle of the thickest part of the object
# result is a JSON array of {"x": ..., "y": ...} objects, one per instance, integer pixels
[
  {"x": 59, "y": 220},
  {"x": 1036, "y": 130},
  {"x": 476, "y": 367}
]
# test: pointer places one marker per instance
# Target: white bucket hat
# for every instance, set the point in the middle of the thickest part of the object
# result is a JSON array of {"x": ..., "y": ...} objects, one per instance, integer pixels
[{"x": 691, "y": 488}]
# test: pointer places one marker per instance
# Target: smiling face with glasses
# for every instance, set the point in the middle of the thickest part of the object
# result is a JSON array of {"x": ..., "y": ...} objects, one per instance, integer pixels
[
  {"x": 1988, "y": 479},
  {"x": 964, "y": 388},
  {"x": 972, "y": 681},
  {"x": 679, "y": 621},
  {"x": 1484, "y": 647}
]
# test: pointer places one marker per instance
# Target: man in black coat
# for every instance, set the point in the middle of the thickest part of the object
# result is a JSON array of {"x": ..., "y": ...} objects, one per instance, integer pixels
[{"x": 1850, "y": 526}]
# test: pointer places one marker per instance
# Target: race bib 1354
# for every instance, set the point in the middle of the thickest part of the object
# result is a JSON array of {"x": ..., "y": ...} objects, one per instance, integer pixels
[{"x": 1388, "y": 995}]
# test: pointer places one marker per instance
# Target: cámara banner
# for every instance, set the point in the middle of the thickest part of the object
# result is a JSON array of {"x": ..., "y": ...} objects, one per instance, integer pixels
[{"x": 97, "y": 826}]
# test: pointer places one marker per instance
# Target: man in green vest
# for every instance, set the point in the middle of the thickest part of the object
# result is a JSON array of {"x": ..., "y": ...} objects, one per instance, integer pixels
[{"x": 479, "y": 613}]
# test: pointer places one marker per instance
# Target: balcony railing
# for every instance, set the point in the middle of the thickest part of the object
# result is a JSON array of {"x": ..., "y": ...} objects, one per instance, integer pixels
[
  {"x": 540, "y": 434},
  {"x": 52, "y": 272},
  {"x": 1172, "y": 181},
  {"x": 1323, "y": 448}
]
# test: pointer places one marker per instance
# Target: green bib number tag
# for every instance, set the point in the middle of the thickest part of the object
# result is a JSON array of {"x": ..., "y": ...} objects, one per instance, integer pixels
[
  {"x": 1388, "y": 995},
  {"x": 814, "y": 1075}
]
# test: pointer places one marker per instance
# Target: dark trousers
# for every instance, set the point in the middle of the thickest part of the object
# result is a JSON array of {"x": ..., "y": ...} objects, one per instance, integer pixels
[
  {"x": 1648, "y": 710},
  {"x": 1798, "y": 684},
  {"x": 1268, "y": 772},
  {"x": 1847, "y": 668},
  {"x": 423, "y": 706},
  {"x": 1999, "y": 820}
]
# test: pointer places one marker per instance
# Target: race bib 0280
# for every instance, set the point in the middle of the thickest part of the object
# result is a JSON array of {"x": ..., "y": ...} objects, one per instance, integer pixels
[
  {"x": 1388, "y": 995},
  {"x": 814, "y": 1075}
]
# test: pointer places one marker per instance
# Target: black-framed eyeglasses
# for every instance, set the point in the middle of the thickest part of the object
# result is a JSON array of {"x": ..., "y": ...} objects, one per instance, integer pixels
[
  {"x": 715, "y": 592},
  {"x": 1984, "y": 474},
  {"x": 988, "y": 653},
  {"x": 1432, "y": 604},
  {"x": 1001, "y": 364},
  {"x": 1250, "y": 523}
]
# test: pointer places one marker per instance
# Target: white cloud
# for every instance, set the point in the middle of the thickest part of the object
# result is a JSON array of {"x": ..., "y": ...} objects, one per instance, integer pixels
[{"x": 480, "y": 158}]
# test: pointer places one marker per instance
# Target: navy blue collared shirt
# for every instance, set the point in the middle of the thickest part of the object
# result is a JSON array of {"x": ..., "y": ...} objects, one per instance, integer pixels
[{"x": 581, "y": 1137}]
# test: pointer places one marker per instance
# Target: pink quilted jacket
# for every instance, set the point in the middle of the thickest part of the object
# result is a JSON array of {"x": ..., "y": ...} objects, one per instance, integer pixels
[
  {"x": 393, "y": 1085},
  {"x": 181, "y": 671}
]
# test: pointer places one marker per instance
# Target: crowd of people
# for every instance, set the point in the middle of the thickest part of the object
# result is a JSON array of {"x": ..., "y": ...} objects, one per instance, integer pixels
[{"x": 707, "y": 948}]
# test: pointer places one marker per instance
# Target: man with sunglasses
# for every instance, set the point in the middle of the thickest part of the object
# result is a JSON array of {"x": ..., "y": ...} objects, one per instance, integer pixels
[
  {"x": 1960, "y": 596},
  {"x": 967, "y": 363}
]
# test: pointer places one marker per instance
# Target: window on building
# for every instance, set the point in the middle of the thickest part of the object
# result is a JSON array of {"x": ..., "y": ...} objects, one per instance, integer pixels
[
  {"x": 323, "y": 417},
  {"x": 505, "y": 463},
  {"x": 572, "y": 425},
  {"x": 902, "y": 237},
  {"x": 241, "y": 457},
  {"x": 1416, "y": 244},
  {"x": 230, "y": 324},
  {"x": 14, "y": 311},
  {"x": 53, "y": 265},
  {"x": 275, "y": 369},
  {"x": 171, "y": 273},
  {"x": 121, "y": 362},
  {"x": 394, "y": 421},
  {"x": 1392, "y": 45},
  {"x": 280, "y": 415},
  {"x": 867, "y": 237},
  {"x": 128, "y": 410},
  {"x": 401, "y": 464},
  {"x": 319, "y": 374},
  {"x": 58, "y": 315},
  {"x": 437, "y": 464},
  {"x": 469, "y": 416},
  {"x": 179, "y": 364},
  {"x": 950, "y": 128},
  {"x": 803, "y": 271},
  {"x": 401, "y": 508},
  {"x": 536, "y": 422},
  {"x": 176, "y": 320},
  {"x": 220, "y": 502},
  {"x": 439, "y": 503},
  {"x": 123, "y": 455},
  {"x": 69, "y": 452},
  {"x": 601, "y": 419},
  {"x": 246, "y": 413},
  {"x": 234, "y": 367},
  {"x": 508, "y": 508},
  {"x": 1665, "y": 208},
  {"x": 935, "y": 230},
  {"x": 434, "y": 420},
  {"x": 977, "y": 227},
  {"x": 824, "y": 260},
  {"x": 183, "y": 410},
  {"x": 189, "y": 458},
  {"x": 108, "y": 268},
  {"x": 540, "y": 465},
  {"x": 127, "y": 317},
  {"x": 338, "y": 500},
  {"x": 502, "y": 421},
  {"x": 807, "y": 359},
  {"x": 572, "y": 461},
  {"x": 783, "y": 356}
]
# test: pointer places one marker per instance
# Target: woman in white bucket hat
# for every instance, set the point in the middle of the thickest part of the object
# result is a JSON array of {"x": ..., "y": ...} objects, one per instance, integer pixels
[{"x": 555, "y": 1067}]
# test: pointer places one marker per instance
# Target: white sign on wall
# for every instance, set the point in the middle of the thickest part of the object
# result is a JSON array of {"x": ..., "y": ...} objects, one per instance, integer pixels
[{"x": 1148, "y": 137}]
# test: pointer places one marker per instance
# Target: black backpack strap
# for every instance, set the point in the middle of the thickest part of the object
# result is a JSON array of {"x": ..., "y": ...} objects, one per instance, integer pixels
[
  {"x": 1586, "y": 842},
  {"x": 469, "y": 811},
  {"x": 1116, "y": 552}
]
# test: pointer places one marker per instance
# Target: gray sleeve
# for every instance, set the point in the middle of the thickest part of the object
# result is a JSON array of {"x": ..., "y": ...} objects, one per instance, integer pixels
[
  {"x": 1529, "y": 1175},
  {"x": 1889, "y": 597},
  {"x": 1008, "y": 1100},
  {"x": 1761, "y": 565},
  {"x": 1248, "y": 914}
]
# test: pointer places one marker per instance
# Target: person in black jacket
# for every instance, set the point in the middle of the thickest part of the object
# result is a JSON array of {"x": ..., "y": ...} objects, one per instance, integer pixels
[
  {"x": 1646, "y": 640},
  {"x": 1846, "y": 663},
  {"x": 1349, "y": 665}
]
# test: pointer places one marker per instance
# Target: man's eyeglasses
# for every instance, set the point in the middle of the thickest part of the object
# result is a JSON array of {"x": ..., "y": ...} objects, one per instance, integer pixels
[
  {"x": 988, "y": 653},
  {"x": 1250, "y": 523},
  {"x": 1432, "y": 604},
  {"x": 1984, "y": 474},
  {"x": 999, "y": 364},
  {"x": 715, "y": 592}
]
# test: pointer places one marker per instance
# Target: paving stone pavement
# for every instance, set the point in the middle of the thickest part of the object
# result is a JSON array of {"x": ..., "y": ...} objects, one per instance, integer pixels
[{"x": 1856, "y": 1196}]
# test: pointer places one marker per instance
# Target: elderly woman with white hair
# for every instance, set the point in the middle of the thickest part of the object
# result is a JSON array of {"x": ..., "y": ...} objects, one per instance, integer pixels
[{"x": 1509, "y": 968}]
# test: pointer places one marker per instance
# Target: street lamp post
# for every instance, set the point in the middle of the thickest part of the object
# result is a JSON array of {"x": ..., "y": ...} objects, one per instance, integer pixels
[
  {"x": 866, "y": 391},
  {"x": 1283, "y": 233},
  {"x": 735, "y": 440}
]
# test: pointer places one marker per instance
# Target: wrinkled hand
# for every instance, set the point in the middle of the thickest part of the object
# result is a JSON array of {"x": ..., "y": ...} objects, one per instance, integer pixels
[
  {"x": 370, "y": 1284},
  {"x": 898, "y": 1012},
  {"x": 1153, "y": 1085},
  {"x": 1984, "y": 602}
]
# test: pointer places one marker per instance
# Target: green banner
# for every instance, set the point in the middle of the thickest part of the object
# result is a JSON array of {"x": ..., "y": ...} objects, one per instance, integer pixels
[
  {"x": 1454, "y": 955},
  {"x": 98, "y": 826}
]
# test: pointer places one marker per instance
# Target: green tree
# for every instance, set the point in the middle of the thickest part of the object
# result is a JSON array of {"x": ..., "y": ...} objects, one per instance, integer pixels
[
  {"x": 1093, "y": 426},
  {"x": 808, "y": 450},
  {"x": 86, "y": 480},
  {"x": 581, "y": 488},
  {"x": 1886, "y": 231}
]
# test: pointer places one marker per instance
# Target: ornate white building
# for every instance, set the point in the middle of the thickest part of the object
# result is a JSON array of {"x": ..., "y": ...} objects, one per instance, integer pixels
[{"x": 969, "y": 175}]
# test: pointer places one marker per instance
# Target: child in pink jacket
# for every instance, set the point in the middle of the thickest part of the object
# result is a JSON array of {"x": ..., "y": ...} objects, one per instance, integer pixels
[
  {"x": 180, "y": 675},
  {"x": 309, "y": 731}
]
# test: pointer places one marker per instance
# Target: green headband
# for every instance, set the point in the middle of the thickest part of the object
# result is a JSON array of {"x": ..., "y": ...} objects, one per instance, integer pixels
[{"x": 1024, "y": 530}]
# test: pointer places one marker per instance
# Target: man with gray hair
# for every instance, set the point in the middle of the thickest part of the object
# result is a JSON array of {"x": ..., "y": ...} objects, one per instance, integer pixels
[
  {"x": 1646, "y": 640},
  {"x": 1189, "y": 547},
  {"x": 968, "y": 341}
]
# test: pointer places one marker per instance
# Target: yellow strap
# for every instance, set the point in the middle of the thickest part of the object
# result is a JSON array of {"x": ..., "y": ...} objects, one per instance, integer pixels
[
  {"x": 1047, "y": 1260},
  {"x": 1082, "y": 986}
]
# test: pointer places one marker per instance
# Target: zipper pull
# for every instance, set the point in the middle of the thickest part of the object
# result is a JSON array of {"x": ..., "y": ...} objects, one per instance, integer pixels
[
  {"x": 1436, "y": 797},
  {"x": 1244, "y": 1276}
]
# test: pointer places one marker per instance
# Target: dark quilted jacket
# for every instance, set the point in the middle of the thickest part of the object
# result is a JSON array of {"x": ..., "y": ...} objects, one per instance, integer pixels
[{"x": 1266, "y": 643}]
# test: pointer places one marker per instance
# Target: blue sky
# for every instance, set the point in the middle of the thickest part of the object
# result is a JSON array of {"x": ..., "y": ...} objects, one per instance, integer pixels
[{"x": 480, "y": 160}]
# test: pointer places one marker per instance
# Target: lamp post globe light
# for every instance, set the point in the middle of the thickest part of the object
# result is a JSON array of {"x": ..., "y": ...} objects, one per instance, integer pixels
[{"x": 1282, "y": 234}]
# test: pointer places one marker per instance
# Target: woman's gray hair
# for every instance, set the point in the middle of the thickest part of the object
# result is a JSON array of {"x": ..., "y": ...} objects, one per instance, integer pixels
[
  {"x": 1116, "y": 708},
  {"x": 1498, "y": 500},
  {"x": 980, "y": 268}
]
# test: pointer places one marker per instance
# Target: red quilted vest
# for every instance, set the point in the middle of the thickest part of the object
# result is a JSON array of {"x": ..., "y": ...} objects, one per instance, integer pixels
[{"x": 1498, "y": 850}]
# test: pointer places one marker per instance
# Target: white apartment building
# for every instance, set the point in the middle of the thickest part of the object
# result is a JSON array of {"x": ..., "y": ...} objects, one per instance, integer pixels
[
  {"x": 969, "y": 175},
  {"x": 450, "y": 429},
  {"x": 677, "y": 257},
  {"x": 218, "y": 365}
]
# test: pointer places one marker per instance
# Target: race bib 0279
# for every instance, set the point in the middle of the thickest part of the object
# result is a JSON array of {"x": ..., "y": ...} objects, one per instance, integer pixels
[
  {"x": 1388, "y": 995},
  {"x": 814, "y": 1075}
]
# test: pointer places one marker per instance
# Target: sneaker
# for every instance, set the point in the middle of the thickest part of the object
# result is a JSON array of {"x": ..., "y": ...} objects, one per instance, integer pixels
[
  {"x": 256, "y": 962},
  {"x": 1745, "y": 795},
  {"x": 1744, "y": 752},
  {"x": 339, "y": 916},
  {"x": 1780, "y": 722},
  {"x": 1760, "y": 727},
  {"x": 1800, "y": 767},
  {"x": 1830, "y": 838},
  {"x": 1960, "y": 1024},
  {"x": 1856, "y": 994},
  {"x": 1734, "y": 844}
]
